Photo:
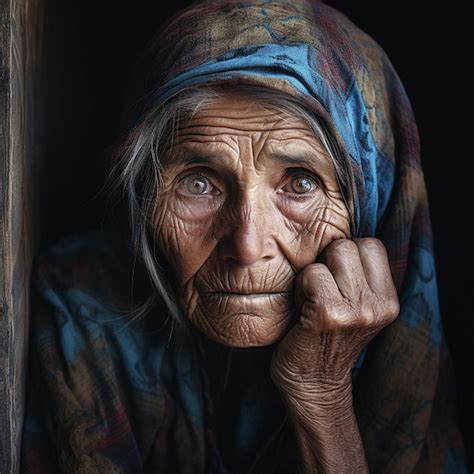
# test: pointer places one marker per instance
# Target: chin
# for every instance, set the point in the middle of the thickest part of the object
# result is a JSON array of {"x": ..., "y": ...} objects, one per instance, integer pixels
[{"x": 244, "y": 320}]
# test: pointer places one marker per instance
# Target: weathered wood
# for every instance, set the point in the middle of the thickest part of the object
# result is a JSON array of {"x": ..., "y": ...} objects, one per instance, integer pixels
[{"x": 19, "y": 19}]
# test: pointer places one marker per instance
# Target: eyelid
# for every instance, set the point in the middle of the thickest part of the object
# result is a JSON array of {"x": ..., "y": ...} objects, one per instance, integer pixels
[
  {"x": 292, "y": 173},
  {"x": 199, "y": 170},
  {"x": 304, "y": 171}
]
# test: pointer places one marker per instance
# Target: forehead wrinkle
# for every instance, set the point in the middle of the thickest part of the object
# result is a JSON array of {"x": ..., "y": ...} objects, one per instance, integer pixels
[
  {"x": 284, "y": 139},
  {"x": 233, "y": 113},
  {"x": 258, "y": 146},
  {"x": 241, "y": 128},
  {"x": 219, "y": 123},
  {"x": 309, "y": 152},
  {"x": 260, "y": 118},
  {"x": 213, "y": 142},
  {"x": 194, "y": 151},
  {"x": 246, "y": 158}
]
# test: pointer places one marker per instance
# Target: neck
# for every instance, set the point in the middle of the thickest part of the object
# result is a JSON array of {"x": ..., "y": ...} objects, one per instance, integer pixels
[{"x": 240, "y": 366}]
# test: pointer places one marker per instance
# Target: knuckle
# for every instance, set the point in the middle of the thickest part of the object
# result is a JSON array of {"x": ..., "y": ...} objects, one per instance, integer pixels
[
  {"x": 366, "y": 316},
  {"x": 309, "y": 273},
  {"x": 339, "y": 249},
  {"x": 337, "y": 319},
  {"x": 372, "y": 244},
  {"x": 392, "y": 308},
  {"x": 343, "y": 244},
  {"x": 317, "y": 268},
  {"x": 310, "y": 281},
  {"x": 333, "y": 324}
]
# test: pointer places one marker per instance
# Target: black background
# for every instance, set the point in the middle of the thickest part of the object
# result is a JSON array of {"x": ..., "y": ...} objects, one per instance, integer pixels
[{"x": 90, "y": 47}]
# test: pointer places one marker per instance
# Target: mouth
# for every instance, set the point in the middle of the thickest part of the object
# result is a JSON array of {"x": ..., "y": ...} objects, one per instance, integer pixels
[{"x": 269, "y": 294}]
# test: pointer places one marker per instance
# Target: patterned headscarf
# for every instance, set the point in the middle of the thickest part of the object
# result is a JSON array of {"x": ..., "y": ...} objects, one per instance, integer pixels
[{"x": 309, "y": 50}]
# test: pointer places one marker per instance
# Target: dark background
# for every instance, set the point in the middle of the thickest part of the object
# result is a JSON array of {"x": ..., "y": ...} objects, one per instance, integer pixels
[{"x": 89, "y": 48}]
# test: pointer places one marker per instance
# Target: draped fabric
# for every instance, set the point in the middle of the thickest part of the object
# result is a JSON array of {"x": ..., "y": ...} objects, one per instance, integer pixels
[
  {"x": 115, "y": 401},
  {"x": 110, "y": 394}
]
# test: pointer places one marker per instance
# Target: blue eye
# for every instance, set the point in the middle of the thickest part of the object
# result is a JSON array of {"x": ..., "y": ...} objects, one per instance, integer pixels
[{"x": 197, "y": 184}]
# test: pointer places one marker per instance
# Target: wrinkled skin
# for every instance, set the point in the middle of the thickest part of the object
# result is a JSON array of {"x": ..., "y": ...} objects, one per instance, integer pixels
[
  {"x": 251, "y": 216},
  {"x": 239, "y": 242}
]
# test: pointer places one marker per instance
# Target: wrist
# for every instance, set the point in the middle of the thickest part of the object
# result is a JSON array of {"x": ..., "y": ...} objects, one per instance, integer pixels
[
  {"x": 326, "y": 432},
  {"x": 318, "y": 398}
]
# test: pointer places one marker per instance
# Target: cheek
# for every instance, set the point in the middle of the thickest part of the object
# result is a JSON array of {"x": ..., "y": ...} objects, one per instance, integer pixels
[
  {"x": 187, "y": 233},
  {"x": 309, "y": 229},
  {"x": 182, "y": 233}
]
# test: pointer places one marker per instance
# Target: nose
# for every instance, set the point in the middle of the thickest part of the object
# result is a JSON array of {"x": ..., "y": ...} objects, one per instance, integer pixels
[{"x": 248, "y": 235}]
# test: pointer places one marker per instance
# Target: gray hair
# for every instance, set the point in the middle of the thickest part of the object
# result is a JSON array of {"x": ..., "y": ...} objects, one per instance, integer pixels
[{"x": 136, "y": 173}]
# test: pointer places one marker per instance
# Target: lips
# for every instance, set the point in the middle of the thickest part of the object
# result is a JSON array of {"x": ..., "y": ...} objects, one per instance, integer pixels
[
  {"x": 231, "y": 294},
  {"x": 239, "y": 293}
]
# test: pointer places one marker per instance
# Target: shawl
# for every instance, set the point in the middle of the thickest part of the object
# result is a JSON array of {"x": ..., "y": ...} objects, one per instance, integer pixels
[{"x": 109, "y": 399}]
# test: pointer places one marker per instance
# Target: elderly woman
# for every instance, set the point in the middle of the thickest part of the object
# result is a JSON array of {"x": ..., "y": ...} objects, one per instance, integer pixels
[{"x": 247, "y": 321}]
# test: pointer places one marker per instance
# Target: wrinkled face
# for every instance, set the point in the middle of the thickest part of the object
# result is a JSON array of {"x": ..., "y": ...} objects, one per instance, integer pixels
[{"x": 249, "y": 198}]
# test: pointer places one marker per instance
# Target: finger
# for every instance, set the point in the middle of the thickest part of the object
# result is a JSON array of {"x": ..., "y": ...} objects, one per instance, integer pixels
[
  {"x": 343, "y": 261},
  {"x": 317, "y": 296},
  {"x": 374, "y": 259},
  {"x": 376, "y": 265},
  {"x": 315, "y": 282}
]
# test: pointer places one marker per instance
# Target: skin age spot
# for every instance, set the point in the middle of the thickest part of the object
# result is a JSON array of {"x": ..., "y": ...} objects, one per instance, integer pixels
[{"x": 249, "y": 198}]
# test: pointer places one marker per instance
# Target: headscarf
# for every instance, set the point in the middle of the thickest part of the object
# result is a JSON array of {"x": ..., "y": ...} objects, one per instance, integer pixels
[
  {"x": 115, "y": 399},
  {"x": 309, "y": 50}
]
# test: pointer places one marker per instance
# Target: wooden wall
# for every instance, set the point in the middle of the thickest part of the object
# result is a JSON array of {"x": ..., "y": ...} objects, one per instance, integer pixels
[{"x": 19, "y": 46}]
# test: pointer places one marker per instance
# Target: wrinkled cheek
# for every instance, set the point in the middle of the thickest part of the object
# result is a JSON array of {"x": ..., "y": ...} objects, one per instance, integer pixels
[
  {"x": 312, "y": 237},
  {"x": 183, "y": 242},
  {"x": 328, "y": 233}
]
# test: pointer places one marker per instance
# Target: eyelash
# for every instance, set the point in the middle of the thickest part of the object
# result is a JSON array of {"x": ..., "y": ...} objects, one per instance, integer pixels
[{"x": 291, "y": 173}]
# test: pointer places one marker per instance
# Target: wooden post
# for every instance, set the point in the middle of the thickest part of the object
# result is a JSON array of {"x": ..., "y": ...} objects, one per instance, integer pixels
[{"x": 18, "y": 59}]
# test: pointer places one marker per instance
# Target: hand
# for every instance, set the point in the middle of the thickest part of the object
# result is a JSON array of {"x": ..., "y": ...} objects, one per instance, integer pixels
[{"x": 344, "y": 300}]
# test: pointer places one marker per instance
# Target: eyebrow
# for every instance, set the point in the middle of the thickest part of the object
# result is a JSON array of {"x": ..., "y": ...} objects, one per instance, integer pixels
[
  {"x": 309, "y": 159},
  {"x": 191, "y": 159}
]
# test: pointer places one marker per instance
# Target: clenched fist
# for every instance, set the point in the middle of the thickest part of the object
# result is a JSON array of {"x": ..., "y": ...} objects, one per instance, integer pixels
[{"x": 344, "y": 300}]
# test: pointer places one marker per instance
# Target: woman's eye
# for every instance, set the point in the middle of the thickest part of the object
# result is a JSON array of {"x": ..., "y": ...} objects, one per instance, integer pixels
[
  {"x": 301, "y": 185},
  {"x": 197, "y": 185}
]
